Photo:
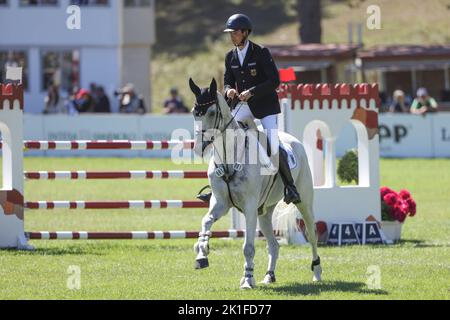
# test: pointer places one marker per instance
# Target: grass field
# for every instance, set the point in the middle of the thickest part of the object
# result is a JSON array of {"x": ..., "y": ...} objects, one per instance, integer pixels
[{"x": 416, "y": 268}]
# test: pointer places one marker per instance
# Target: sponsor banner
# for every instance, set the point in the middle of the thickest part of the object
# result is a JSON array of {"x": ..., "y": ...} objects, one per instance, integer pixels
[
  {"x": 405, "y": 135},
  {"x": 441, "y": 135}
]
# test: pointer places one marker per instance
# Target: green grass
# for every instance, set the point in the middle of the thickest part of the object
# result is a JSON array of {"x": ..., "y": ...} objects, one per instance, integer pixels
[{"x": 416, "y": 268}]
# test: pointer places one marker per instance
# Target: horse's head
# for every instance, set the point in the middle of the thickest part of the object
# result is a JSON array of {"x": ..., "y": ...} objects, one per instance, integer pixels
[{"x": 211, "y": 114}]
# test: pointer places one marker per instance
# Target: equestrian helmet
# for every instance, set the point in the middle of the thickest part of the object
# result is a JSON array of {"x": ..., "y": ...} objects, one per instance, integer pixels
[{"x": 238, "y": 21}]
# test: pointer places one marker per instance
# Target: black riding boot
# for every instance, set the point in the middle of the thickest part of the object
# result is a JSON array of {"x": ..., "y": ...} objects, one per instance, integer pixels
[{"x": 290, "y": 192}]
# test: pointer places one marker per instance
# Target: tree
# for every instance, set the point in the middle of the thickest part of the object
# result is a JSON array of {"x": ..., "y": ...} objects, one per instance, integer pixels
[{"x": 310, "y": 16}]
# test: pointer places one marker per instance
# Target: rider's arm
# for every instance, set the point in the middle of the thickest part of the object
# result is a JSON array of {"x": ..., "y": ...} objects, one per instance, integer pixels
[{"x": 229, "y": 81}]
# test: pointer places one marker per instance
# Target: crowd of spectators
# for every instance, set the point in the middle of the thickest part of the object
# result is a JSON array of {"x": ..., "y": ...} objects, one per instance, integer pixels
[
  {"x": 422, "y": 104},
  {"x": 95, "y": 100}
]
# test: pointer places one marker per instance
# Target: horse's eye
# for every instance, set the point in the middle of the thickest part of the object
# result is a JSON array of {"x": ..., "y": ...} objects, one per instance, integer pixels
[{"x": 211, "y": 114}]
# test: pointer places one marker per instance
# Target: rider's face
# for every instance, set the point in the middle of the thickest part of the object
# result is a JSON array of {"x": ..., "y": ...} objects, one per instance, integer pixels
[{"x": 237, "y": 36}]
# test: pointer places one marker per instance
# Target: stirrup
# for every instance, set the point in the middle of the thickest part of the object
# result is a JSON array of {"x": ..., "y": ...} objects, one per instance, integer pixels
[{"x": 205, "y": 197}]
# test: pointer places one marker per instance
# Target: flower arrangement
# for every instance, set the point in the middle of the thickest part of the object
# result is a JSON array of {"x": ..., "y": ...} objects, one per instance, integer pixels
[{"x": 396, "y": 206}]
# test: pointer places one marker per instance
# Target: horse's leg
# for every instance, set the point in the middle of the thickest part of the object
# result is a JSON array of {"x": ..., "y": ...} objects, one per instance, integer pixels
[
  {"x": 308, "y": 216},
  {"x": 248, "y": 281},
  {"x": 216, "y": 210},
  {"x": 265, "y": 223}
]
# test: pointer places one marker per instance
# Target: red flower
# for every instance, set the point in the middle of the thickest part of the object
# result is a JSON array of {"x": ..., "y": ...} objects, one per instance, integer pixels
[
  {"x": 411, "y": 207},
  {"x": 385, "y": 190},
  {"x": 390, "y": 199},
  {"x": 404, "y": 194},
  {"x": 404, "y": 206},
  {"x": 397, "y": 206},
  {"x": 399, "y": 214}
]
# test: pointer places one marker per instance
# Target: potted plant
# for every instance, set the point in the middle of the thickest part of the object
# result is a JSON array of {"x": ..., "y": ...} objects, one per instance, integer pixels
[{"x": 395, "y": 208}]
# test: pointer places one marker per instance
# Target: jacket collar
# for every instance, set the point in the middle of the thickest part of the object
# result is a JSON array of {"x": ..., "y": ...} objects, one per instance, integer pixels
[{"x": 247, "y": 55}]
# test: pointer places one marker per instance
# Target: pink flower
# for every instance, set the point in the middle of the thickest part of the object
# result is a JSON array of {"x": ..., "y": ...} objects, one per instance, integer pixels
[
  {"x": 390, "y": 199},
  {"x": 404, "y": 194}
]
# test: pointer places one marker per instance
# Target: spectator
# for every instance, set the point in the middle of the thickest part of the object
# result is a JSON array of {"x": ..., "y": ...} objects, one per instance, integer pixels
[
  {"x": 102, "y": 101},
  {"x": 53, "y": 101},
  {"x": 130, "y": 101},
  {"x": 399, "y": 104},
  {"x": 423, "y": 103},
  {"x": 84, "y": 101},
  {"x": 383, "y": 101},
  {"x": 174, "y": 104},
  {"x": 93, "y": 90}
]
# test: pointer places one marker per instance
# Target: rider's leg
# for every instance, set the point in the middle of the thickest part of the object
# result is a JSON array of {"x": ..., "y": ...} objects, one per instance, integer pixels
[
  {"x": 242, "y": 113},
  {"x": 271, "y": 127}
]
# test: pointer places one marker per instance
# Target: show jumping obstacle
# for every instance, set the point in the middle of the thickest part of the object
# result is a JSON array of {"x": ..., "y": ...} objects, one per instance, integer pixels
[
  {"x": 106, "y": 145},
  {"x": 132, "y": 204},
  {"x": 82, "y": 175},
  {"x": 133, "y": 235},
  {"x": 315, "y": 114},
  {"x": 13, "y": 205}
]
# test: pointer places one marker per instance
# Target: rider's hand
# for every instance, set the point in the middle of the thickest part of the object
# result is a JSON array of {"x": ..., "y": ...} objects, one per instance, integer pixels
[
  {"x": 244, "y": 96},
  {"x": 231, "y": 93}
]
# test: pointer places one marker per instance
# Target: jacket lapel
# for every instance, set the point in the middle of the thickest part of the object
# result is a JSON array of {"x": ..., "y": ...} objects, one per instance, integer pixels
[
  {"x": 248, "y": 54},
  {"x": 236, "y": 57}
]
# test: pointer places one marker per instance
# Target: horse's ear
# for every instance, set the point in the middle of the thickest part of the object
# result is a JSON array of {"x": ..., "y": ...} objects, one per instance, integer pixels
[
  {"x": 194, "y": 88},
  {"x": 213, "y": 87}
]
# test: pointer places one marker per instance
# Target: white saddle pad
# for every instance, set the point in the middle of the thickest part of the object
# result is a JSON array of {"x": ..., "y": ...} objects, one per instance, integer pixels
[{"x": 267, "y": 163}]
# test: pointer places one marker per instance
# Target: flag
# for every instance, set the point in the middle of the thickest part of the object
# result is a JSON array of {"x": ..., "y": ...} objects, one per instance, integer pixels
[{"x": 287, "y": 75}]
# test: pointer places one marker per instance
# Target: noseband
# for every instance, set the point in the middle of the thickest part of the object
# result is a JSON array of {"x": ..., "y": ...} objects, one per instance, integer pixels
[{"x": 200, "y": 110}]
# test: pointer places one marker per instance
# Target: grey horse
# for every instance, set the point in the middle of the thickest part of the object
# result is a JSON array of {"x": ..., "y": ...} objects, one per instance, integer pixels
[{"x": 241, "y": 185}]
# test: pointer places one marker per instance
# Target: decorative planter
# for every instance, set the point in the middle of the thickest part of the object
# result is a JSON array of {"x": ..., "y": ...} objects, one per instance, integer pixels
[{"x": 392, "y": 229}]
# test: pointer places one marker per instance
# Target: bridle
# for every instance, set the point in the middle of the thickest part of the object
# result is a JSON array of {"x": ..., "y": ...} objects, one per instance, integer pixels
[
  {"x": 200, "y": 110},
  {"x": 223, "y": 170}
]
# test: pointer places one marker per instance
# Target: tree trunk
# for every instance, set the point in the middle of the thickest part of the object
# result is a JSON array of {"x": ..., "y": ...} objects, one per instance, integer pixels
[{"x": 310, "y": 15}]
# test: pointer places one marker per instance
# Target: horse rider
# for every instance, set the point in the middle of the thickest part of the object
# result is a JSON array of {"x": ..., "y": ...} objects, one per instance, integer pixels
[{"x": 252, "y": 76}]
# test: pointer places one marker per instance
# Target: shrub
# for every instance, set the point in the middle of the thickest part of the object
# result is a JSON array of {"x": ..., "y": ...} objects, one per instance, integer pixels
[{"x": 348, "y": 167}]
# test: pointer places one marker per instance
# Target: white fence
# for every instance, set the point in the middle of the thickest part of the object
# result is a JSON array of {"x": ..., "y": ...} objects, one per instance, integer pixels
[{"x": 400, "y": 135}]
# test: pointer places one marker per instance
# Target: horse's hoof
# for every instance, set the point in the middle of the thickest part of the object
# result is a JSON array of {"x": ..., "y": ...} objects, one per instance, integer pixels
[
  {"x": 317, "y": 277},
  {"x": 247, "y": 283},
  {"x": 269, "y": 278},
  {"x": 201, "y": 263}
]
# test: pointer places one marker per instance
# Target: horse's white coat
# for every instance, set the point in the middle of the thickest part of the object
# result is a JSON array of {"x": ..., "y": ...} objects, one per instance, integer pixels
[{"x": 249, "y": 192}]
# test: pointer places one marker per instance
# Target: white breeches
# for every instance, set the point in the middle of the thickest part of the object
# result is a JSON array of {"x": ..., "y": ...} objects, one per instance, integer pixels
[{"x": 243, "y": 113}]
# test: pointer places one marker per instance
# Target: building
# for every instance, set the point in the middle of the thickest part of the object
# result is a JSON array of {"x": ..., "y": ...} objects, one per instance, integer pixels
[
  {"x": 111, "y": 48},
  {"x": 318, "y": 63},
  {"x": 409, "y": 67}
]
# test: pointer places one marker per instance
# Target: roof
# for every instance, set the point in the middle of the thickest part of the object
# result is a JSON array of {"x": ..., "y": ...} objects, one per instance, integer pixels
[
  {"x": 314, "y": 51},
  {"x": 400, "y": 52}
]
